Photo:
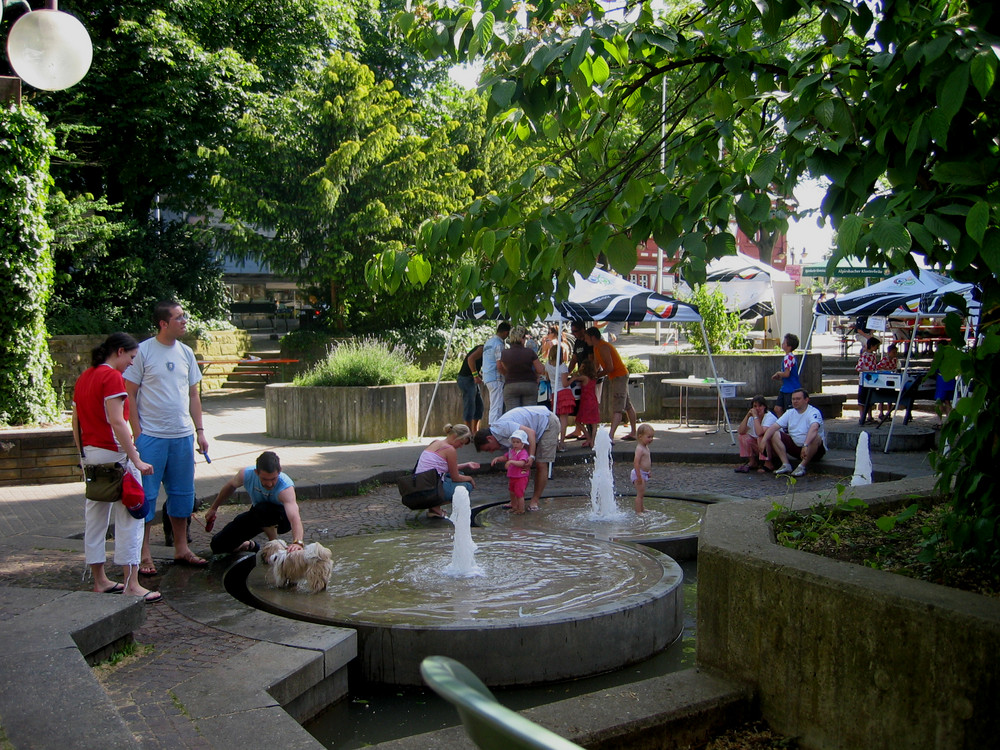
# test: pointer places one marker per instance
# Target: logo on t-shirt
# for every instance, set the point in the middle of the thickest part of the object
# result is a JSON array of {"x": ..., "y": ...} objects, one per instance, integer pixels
[{"x": 170, "y": 366}]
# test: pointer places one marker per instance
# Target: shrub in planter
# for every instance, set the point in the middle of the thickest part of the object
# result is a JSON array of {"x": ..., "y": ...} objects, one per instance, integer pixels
[{"x": 360, "y": 362}]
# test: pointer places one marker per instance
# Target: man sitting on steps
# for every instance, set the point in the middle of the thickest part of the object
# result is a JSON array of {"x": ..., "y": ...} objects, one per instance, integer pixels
[{"x": 799, "y": 433}]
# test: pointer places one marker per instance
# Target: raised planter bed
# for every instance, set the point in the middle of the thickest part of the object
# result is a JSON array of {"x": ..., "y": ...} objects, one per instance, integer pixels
[
  {"x": 359, "y": 414},
  {"x": 841, "y": 655}
]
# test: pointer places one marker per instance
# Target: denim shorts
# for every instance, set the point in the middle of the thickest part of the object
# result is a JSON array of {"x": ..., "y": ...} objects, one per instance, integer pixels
[{"x": 472, "y": 401}]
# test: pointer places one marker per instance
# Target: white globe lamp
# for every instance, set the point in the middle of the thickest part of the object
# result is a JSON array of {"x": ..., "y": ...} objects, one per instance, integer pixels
[{"x": 49, "y": 49}]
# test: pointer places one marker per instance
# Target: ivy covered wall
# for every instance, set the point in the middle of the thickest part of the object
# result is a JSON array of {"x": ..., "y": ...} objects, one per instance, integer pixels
[{"x": 26, "y": 394}]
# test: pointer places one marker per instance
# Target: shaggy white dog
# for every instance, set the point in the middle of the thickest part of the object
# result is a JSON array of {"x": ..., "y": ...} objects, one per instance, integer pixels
[{"x": 307, "y": 569}]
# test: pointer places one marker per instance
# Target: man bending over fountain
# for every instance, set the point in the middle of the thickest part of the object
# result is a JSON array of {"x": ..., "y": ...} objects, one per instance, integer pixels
[
  {"x": 273, "y": 508},
  {"x": 542, "y": 428}
]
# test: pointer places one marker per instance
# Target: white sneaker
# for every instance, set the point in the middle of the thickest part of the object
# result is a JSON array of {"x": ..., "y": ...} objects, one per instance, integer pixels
[
  {"x": 800, "y": 471},
  {"x": 785, "y": 469}
]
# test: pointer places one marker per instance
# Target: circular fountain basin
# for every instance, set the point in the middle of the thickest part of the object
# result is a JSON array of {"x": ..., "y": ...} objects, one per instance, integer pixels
[
  {"x": 667, "y": 525},
  {"x": 549, "y": 606}
]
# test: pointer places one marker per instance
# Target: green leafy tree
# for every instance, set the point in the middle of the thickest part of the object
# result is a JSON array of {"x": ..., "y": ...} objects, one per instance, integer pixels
[
  {"x": 894, "y": 103},
  {"x": 26, "y": 394},
  {"x": 110, "y": 275},
  {"x": 168, "y": 78},
  {"x": 321, "y": 180},
  {"x": 390, "y": 56}
]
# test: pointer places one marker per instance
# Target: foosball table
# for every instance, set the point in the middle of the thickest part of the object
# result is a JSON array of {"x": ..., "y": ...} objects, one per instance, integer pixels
[{"x": 884, "y": 387}]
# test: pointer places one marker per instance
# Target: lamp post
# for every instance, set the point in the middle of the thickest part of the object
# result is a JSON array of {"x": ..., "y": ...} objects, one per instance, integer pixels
[{"x": 47, "y": 49}]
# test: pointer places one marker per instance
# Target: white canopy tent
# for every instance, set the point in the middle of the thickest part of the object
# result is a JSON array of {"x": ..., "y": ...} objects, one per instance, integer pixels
[
  {"x": 907, "y": 296},
  {"x": 599, "y": 296},
  {"x": 746, "y": 283}
]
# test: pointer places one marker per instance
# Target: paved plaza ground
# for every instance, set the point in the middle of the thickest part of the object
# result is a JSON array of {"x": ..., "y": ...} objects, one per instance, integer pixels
[{"x": 41, "y": 529}]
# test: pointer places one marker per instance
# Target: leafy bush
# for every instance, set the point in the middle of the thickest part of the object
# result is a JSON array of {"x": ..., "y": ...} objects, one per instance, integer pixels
[
  {"x": 110, "y": 275},
  {"x": 306, "y": 345},
  {"x": 429, "y": 374},
  {"x": 315, "y": 345},
  {"x": 360, "y": 362},
  {"x": 724, "y": 330},
  {"x": 467, "y": 336},
  {"x": 969, "y": 453},
  {"x": 635, "y": 365}
]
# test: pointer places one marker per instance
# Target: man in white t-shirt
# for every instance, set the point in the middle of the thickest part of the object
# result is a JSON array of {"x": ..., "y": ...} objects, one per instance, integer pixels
[
  {"x": 166, "y": 419},
  {"x": 542, "y": 428},
  {"x": 798, "y": 433}
]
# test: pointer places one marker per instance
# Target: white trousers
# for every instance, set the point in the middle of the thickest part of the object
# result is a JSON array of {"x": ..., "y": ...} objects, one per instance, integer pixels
[
  {"x": 128, "y": 530},
  {"x": 495, "y": 390}
]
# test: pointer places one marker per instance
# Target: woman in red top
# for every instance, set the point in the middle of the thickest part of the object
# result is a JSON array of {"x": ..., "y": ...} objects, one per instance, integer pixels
[{"x": 102, "y": 435}]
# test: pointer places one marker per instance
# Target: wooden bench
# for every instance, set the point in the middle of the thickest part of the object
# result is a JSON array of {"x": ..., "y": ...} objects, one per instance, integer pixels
[{"x": 266, "y": 368}]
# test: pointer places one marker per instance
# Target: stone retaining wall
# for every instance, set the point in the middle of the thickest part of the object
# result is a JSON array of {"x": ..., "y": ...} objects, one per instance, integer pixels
[
  {"x": 38, "y": 456},
  {"x": 71, "y": 356},
  {"x": 845, "y": 656},
  {"x": 753, "y": 369}
]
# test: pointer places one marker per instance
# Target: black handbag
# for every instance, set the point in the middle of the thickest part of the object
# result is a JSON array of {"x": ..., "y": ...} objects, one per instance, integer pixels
[{"x": 421, "y": 491}]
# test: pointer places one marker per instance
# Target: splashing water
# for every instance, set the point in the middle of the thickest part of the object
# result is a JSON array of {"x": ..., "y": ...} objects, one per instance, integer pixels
[
  {"x": 602, "y": 483},
  {"x": 463, "y": 554},
  {"x": 862, "y": 462}
]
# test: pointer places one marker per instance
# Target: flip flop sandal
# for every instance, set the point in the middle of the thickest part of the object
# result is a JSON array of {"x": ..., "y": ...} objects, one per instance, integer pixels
[
  {"x": 148, "y": 569},
  {"x": 744, "y": 469},
  {"x": 191, "y": 562},
  {"x": 115, "y": 589}
]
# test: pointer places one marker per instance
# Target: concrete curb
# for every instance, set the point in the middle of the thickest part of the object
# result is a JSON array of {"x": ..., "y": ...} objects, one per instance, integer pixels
[
  {"x": 678, "y": 710},
  {"x": 48, "y": 645}
]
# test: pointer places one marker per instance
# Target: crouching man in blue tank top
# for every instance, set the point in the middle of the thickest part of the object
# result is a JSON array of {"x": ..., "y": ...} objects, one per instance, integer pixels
[{"x": 273, "y": 508}]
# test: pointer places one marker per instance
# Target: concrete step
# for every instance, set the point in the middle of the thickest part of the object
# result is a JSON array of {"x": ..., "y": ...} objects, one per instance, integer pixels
[
  {"x": 911, "y": 438},
  {"x": 49, "y": 696}
]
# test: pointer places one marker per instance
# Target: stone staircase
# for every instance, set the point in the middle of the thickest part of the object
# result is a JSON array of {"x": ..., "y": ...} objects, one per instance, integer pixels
[{"x": 247, "y": 375}]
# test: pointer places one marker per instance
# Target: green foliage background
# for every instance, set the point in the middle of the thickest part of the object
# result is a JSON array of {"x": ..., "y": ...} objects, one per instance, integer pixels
[
  {"x": 724, "y": 330},
  {"x": 110, "y": 280},
  {"x": 26, "y": 394}
]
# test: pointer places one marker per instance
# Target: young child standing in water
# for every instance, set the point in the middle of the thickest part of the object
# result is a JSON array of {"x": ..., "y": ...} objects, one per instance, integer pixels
[
  {"x": 641, "y": 465},
  {"x": 516, "y": 460}
]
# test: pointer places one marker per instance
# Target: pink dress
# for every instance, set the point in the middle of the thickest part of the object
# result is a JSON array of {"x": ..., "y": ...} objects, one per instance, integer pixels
[
  {"x": 517, "y": 476},
  {"x": 589, "y": 411}
]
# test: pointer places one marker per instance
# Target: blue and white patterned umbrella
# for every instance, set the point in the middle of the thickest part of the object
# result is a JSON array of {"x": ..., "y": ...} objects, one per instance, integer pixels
[
  {"x": 604, "y": 296},
  {"x": 897, "y": 297}
]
